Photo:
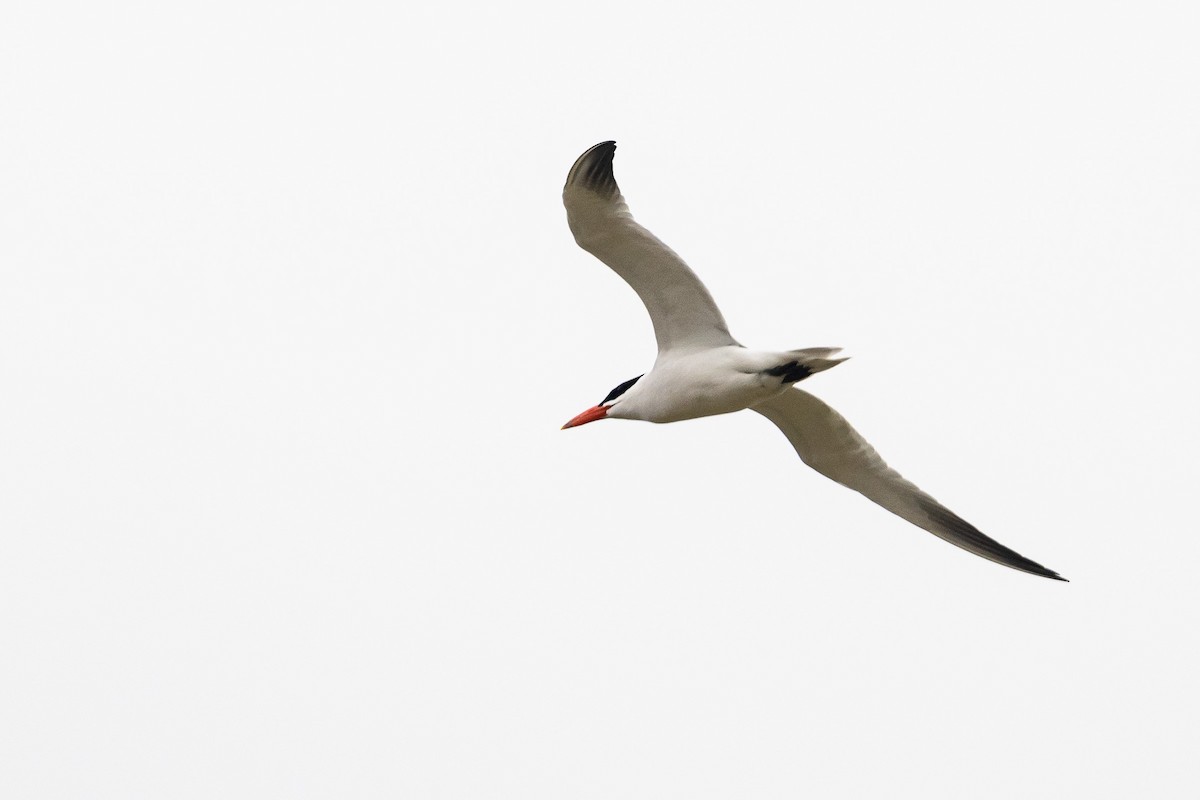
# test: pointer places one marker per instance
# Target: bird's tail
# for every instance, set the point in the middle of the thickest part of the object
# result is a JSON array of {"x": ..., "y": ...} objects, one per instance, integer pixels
[{"x": 799, "y": 364}]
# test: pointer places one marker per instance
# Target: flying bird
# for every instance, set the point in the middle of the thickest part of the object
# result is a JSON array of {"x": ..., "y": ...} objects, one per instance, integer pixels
[{"x": 701, "y": 370}]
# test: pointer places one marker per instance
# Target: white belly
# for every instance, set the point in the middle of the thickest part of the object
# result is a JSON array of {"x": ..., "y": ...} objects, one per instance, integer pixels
[{"x": 717, "y": 381}]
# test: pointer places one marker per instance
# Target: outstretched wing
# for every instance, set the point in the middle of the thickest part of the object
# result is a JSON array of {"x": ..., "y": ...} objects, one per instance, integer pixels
[
  {"x": 827, "y": 443},
  {"x": 682, "y": 310}
]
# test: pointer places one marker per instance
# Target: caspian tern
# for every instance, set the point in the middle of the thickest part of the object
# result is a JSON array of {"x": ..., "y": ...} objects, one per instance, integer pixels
[{"x": 701, "y": 370}]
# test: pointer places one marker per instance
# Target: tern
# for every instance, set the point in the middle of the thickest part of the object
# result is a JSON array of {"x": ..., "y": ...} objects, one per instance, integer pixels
[{"x": 701, "y": 370}]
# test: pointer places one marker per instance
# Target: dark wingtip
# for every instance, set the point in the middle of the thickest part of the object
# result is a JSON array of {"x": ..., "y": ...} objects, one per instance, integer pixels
[
  {"x": 594, "y": 170},
  {"x": 1045, "y": 572},
  {"x": 977, "y": 539}
]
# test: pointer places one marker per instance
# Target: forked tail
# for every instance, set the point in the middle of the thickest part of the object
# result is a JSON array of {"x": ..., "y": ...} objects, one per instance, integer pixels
[{"x": 799, "y": 364}]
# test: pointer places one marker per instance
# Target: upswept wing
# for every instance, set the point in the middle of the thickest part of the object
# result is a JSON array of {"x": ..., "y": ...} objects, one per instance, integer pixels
[
  {"x": 826, "y": 442},
  {"x": 682, "y": 310}
]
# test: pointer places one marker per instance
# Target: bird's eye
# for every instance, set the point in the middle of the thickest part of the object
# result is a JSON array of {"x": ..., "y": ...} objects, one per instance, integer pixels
[{"x": 619, "y": 390}]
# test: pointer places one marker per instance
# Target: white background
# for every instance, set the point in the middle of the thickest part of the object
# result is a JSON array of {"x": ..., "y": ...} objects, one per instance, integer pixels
[{"x": 290, "y": 318}]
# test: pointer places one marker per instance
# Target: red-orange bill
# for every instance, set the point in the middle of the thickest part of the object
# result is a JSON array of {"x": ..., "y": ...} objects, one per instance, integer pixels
[{"x": 591, "y": 415}]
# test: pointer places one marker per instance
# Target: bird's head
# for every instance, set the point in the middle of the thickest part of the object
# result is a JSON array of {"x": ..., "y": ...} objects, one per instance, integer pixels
[{"x": 608, "y": 406}]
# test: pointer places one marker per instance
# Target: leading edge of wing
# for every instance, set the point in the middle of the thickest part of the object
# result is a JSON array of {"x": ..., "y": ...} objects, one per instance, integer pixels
[
  {"x": 682, "y": 311},
  {"x": 825, "y": 441}
]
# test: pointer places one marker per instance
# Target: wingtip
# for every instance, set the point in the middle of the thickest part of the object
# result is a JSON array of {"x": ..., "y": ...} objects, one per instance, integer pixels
[
  {"x": 1034, "y": 568},
  {"x": 1042, "y": 572},
  {"x": 594, "y": 171},
  {"x": 968, "y": 537}
]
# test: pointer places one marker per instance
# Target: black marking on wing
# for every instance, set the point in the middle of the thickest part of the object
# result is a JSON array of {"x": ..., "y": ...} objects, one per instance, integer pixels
[
  {"x": 972, "y": 535},
  {"x": 620, "y": 389},
  {"x": 791, "y": 372},
  {"x": 594, "y": 170}
]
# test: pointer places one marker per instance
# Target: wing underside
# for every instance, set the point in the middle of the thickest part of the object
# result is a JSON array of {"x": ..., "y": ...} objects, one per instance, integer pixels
[
  {"x": 826, "y": 442},
  {"x": 681, "y": 309}
]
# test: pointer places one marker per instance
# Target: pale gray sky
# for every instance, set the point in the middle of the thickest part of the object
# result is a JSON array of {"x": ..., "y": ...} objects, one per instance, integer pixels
[{"x": 290, "y": 317}]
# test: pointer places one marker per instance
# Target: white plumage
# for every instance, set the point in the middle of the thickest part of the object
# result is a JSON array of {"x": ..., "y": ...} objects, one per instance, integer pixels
[{"x": 701, "y": 370}]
